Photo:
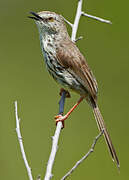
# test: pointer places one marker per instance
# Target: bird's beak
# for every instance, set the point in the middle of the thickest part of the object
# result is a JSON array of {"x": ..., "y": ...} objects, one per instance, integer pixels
[{"x": 35, "y": 16}]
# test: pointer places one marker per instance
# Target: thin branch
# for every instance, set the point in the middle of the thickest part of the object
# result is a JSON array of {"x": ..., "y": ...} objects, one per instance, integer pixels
[
  {"x": 84, "y": 157},
  {"x": 21, "y": 143},
  {"x": 96, "y": 18},
  {"x": 69, "y": 23},
  {"x": 55, "y": 139},
  {"x": 76, "y": 21},
  {"x": 80, "y": 13}
]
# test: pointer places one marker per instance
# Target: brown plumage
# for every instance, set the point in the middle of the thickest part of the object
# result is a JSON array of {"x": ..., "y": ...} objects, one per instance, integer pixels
[
  {"x": 70, "y": 58},
  {"x": 68, "y": 66}
]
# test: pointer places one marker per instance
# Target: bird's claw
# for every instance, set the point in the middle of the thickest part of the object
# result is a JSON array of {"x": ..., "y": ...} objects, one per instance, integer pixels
[
  {"x": 60, "y": 118},
  {"x": 67, "y": 93}
]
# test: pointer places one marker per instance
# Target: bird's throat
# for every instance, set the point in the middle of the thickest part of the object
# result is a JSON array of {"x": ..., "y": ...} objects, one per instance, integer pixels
[{"x": 48, "y": 43}]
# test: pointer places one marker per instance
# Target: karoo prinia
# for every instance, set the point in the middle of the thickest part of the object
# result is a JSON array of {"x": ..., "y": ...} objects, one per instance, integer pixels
[{"x": 67, "y": 66}]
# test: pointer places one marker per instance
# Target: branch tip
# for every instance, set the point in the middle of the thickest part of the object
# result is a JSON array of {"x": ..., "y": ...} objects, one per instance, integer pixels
[
  {"x": 21, "y": 143},
  {"x": 96, "y": 18},
  {"x": 68, "y": 22}
]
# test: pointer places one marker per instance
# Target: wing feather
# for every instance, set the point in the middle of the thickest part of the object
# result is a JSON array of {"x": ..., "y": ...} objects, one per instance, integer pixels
[{"x": 69, "y": 56}]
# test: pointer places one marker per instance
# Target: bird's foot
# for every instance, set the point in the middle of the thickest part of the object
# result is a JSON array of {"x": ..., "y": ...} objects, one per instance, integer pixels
[
  {"x": 67, "y": 93},
  {"x": 61, "y": 118}
]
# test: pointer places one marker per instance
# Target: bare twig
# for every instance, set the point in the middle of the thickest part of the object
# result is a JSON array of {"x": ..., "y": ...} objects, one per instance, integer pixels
[
  {"x": 53, "y": 151},
  {"x": 76, "y": 21},
  {"x": 84, "y": 157},
  {"x": 96, "y": 18},
  {"x": 21, "y": 143},
  {"x": 69, "y": 23},
  {"x": 55, "y": 139},
  {"x": 80, "y": 13}
]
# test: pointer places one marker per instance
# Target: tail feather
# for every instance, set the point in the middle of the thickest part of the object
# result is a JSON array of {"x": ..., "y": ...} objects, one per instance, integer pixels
[{"x": 101, "y": 126}]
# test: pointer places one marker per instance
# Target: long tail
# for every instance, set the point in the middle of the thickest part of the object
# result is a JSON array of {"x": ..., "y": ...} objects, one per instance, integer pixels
[{"x": 101, "y": 126}]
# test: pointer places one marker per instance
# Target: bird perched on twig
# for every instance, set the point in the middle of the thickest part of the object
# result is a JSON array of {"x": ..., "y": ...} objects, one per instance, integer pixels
[{"x": 67, "y": 66}]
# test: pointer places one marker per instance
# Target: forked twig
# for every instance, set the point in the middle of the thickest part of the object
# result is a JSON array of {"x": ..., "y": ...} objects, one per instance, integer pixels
[
  {"x": 21, "y": 143},
  {"x": 80, "y": 13},
  {"x": 84, "y": 157}
]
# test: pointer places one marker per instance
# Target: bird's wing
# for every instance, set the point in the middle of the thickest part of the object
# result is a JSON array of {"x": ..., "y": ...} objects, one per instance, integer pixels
[{"x": 69, "y": 56}]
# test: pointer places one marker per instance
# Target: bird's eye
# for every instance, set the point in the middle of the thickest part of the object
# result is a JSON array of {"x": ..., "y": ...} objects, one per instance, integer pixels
[{"x": 51, "y": 19}]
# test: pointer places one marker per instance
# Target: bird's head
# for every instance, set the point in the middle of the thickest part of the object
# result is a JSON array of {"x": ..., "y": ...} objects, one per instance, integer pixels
[{"x": 48, "y": 22}]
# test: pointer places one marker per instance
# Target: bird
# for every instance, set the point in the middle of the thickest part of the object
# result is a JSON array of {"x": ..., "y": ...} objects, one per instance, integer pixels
[{"x": 67, "y": 65}]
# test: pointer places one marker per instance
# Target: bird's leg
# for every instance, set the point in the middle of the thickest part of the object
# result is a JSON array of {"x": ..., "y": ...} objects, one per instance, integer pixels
[
  {"x": 67, "y": 93},
  {"x": 62, "y": 118}
]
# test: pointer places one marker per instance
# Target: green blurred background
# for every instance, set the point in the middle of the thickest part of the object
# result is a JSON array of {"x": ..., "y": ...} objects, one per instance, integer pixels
[{"x": 23, "y": 78}]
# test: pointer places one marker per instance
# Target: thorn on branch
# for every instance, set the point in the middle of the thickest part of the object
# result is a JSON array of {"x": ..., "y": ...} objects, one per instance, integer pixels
[
  {"x": 92, "y": 150},
  {"x": 52, "y": 138},
  {"x": 20, "y": 138},
  {"x": 52, "y": 175},
  {"x": 79, "y": 38}
]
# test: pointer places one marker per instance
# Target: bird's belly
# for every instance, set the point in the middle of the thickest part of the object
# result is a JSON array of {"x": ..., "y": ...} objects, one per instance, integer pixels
[
  {"x": 66, "y": 80},
  {"x": 62, "y": 76}
]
